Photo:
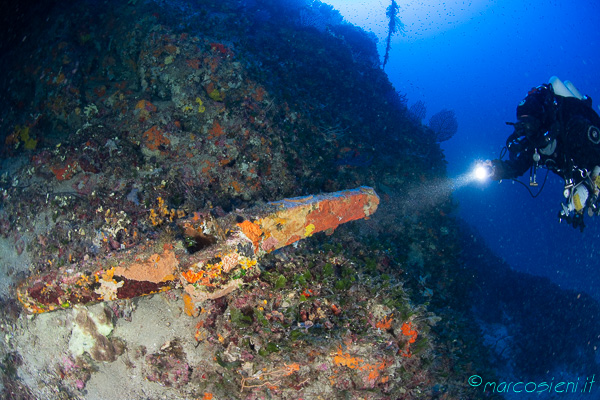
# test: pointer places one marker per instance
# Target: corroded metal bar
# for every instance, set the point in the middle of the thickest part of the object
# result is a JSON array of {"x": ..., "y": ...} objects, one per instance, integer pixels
[{"x": 209, "y": 259}]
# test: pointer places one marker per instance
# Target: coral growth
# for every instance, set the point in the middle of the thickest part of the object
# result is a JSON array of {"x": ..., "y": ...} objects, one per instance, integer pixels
[
  {"x": 169, "y": 366},
  {"x": 155, "y": 139}
]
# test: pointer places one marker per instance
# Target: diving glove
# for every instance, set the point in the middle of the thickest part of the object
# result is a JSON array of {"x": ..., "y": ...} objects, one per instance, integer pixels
[{"x": 576, "y": 221}]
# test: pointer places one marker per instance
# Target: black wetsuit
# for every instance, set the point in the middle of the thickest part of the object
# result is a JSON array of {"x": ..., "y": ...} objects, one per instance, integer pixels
[{"x": 567, "y": 140}]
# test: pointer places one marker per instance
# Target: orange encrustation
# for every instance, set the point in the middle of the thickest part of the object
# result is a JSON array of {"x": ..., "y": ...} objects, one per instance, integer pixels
[{"x": 207, "y": 263}]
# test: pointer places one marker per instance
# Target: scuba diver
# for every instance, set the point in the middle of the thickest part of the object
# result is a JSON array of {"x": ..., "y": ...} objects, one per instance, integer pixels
[{"x": 557, "y": 129}]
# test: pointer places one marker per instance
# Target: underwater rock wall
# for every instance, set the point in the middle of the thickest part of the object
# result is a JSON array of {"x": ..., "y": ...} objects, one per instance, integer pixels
[
  {"x": 129, "y": 118},
  {"x": 533, "y": 328}
]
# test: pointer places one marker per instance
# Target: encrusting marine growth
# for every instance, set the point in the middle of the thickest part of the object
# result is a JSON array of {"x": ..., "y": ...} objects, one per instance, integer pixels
[{"x": 208, "y": 261}]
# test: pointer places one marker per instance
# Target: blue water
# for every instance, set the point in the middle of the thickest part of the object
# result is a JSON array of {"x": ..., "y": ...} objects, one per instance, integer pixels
[{"x": 480, "y": 58}]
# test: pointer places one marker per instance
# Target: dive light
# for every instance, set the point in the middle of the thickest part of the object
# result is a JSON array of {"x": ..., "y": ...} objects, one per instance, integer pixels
[{"x": 482, "y": 171}]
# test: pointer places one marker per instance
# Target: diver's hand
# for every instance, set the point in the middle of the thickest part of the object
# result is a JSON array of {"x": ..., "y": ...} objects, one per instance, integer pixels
[
  {"x": 576, "y": 221},
  {"x": 496, "y": 169}
]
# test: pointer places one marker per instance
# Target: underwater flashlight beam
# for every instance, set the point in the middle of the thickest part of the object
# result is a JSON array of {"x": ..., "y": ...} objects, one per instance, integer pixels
[
  {"x": 434, "y": 192},
  {"x": 481, "y": 172}
]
